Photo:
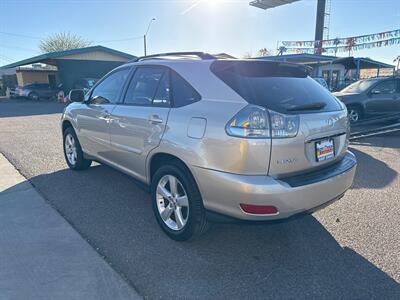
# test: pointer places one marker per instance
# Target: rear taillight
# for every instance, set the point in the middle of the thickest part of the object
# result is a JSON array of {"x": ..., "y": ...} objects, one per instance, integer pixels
[
  {"x": 257, "y": 122},
  {"x": 251, "y": 122},
  {"x": 259, "y": 209}
]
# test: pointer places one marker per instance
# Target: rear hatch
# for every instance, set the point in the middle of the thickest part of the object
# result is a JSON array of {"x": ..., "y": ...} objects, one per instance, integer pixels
[{"x": 288, "y": 93}]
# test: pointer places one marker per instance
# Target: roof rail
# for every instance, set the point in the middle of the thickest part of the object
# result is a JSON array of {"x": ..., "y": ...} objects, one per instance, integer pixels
[{"x": 201, "y": 55}]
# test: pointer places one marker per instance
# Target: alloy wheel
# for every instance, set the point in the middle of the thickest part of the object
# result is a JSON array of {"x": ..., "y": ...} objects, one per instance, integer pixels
[
  {"x": 353, "y": 115},
  {"x": 70, "y": 149},
  {"x": 172, "y": 202}
]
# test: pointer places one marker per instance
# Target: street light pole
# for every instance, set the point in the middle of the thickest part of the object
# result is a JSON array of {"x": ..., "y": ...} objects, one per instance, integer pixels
[
  {"x": 145, "y": 48},
  {"x": 145, "y": 36}
]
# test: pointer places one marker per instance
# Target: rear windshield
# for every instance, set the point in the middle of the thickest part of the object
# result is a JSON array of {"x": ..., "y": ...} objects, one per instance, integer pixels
[{"x": 281, "y": 87}]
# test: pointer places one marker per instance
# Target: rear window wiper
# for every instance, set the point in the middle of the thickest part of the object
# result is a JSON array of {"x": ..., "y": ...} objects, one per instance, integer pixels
[{"x": 308, "y": 106}]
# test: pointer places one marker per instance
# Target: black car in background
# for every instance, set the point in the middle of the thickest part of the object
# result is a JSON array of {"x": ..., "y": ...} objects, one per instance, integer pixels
[
  {"x": 85, "y": 83},
  {"x": 371, "y": 97},
  {"x": 36, "y": 91}
]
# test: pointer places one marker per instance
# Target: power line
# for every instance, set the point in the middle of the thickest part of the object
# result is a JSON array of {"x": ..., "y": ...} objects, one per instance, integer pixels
[
  {"x": 6, "y": 59},
  {"x": 100, "y": 41},
  {"x": 21, "y": 35},
  {"x": 18, "y": 48},
  {"x": 120, "y": 40}
]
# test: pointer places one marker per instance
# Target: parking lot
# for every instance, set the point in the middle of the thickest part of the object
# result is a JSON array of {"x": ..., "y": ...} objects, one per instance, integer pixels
[{"x": 350, "y": 249}]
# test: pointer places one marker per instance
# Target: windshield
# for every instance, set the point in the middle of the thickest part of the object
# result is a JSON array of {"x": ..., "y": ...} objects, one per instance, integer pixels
[
  {"x": 359, "y": 86},
  {"x": 280, "y": 87}
]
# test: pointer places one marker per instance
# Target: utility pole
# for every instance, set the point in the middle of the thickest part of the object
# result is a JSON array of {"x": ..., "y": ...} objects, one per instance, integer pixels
[
  {"x": 319, "y": 28},
  {"x": 322, "y": 22},
  {"x": 145, "y": 48},
  {"x": 145, "y": 36}
]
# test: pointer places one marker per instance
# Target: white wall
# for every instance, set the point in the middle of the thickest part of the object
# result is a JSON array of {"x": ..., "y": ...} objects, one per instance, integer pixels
[
  {"x": 96, "y": 55},
  {"x": 331, "y": 67}
]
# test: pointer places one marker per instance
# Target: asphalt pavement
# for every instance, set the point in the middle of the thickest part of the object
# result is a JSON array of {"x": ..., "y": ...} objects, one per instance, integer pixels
[{"x": 349, "y": 250}]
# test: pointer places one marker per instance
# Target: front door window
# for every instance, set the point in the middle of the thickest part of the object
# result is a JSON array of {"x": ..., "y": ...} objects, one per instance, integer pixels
[{"x": 108, "y": 90}]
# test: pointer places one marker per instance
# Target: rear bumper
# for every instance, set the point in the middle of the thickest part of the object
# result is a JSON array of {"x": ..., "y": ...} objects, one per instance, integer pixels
[{"x": 224, "y": 192}]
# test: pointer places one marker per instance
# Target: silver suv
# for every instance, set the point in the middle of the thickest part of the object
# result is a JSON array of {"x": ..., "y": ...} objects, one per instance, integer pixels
[{"x": 214, "y": 138}]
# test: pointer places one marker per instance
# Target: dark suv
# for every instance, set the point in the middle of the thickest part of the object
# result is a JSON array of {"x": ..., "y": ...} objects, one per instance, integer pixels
[
  {"x": 371, "y": 97},
  {"x": 36, "y": 91}
]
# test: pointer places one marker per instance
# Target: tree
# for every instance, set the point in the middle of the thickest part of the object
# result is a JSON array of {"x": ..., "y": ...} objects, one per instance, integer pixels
[
  {"x": 247, "y": 55},
  {"x": 263, "y": 52},
  {"x": 62, "y": 41}
]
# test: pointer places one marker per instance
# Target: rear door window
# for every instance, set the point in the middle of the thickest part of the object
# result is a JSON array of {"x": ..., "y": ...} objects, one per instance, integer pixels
[
  {"x": 149, "y": 85},
  {"x": 281, "y": 87},
  {"x": 386, "y": 87},
  {"x": 163, "y": 94}
]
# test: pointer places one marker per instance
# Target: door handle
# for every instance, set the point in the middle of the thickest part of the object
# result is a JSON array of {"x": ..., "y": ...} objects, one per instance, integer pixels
[
  {"x": 105, "y": 116},
  {"x": 155, "y": 119}
]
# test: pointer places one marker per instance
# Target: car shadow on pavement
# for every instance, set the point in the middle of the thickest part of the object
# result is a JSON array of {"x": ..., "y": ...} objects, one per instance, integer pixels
[
  {"x": 297, "y": 259},
  {"x": 372, "y": 173},
  {"x": 24, "y": 107},
  {"x": 389, "y": 140}
]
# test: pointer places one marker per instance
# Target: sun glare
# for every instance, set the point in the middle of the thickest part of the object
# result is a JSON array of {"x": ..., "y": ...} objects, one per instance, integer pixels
[{"x": 212, "y": 3}]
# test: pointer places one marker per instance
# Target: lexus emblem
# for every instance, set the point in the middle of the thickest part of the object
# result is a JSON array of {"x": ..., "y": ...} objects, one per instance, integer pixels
[{"x": 330, "y": 122}]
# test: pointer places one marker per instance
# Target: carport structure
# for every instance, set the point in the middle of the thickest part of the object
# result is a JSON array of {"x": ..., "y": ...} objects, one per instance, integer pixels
[
  {"x": 338, "y": 71},
  {"x": 362, "y": 63},
  {"x": 88, "y": 62}
]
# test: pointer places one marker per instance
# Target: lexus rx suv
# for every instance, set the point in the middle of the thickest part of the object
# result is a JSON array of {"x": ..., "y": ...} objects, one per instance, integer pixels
[{"x": 214, "y": 138}]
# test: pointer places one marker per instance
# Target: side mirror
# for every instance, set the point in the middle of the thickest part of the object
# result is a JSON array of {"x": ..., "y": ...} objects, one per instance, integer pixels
[{"x": 76, "y": 95}]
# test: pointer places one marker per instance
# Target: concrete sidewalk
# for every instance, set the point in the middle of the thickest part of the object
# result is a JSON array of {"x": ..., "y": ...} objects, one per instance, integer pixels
[{"x": 42, "y": 256}]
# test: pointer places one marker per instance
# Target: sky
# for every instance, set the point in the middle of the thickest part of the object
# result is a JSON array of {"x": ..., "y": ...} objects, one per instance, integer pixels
[{"x": 214, "y": 26}]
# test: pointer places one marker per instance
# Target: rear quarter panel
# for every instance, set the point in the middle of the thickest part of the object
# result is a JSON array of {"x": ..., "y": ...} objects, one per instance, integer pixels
[
  {"x": 290, "y": 156},
  {"x": 215, "y": 150}
]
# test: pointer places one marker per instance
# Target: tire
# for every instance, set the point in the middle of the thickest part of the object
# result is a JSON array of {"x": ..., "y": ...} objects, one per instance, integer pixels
[
  {"x": 33, "y": 96},
  {"x": 192, "y": 212},
  {"x": 355, "y": 114},
  {"x": 73, "y": 152}
]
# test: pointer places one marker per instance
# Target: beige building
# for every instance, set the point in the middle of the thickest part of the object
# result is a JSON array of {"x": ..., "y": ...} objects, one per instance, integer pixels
[
  {"x": 68, "y": 67},
  {"x": 27, "y": 76}
]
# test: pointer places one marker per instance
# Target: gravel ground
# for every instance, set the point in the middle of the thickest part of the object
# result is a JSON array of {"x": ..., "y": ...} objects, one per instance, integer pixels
[{"x": 349, "y": 250}]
